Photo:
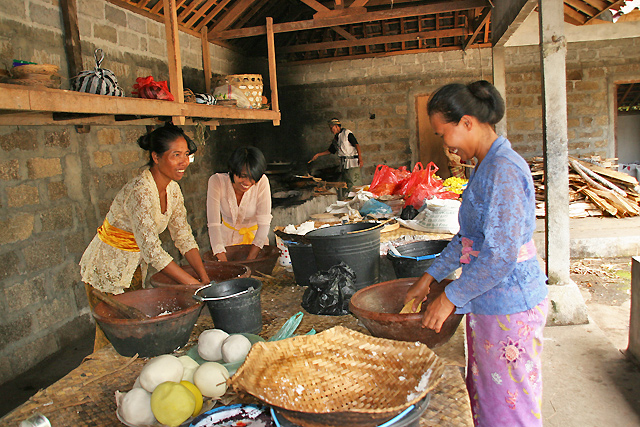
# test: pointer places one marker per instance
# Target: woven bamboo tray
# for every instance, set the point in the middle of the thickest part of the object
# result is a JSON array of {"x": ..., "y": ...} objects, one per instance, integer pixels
[
  {"x": 339, "y": 377},
  {"x": 22, "y": 71}
]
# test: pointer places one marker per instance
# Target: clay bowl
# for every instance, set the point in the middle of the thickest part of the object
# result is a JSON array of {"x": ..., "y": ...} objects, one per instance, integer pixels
[
  {"x": 378, "y": 307},
  {"x": 264, "y": 263},
  {"x": 174, "y": 314},
  {"x": 217, "y": 272}
]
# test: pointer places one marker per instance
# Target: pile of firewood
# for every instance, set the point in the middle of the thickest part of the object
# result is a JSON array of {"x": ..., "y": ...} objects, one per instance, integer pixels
[{"x": 595, "y": 188}]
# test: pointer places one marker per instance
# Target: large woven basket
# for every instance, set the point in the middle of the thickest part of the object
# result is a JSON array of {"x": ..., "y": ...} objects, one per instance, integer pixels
[
  {"x": 250, "y": 85},
  {"x": 339, "y": 377}
]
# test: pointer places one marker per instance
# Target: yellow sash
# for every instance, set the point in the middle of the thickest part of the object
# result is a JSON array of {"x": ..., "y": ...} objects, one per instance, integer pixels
[
  {"x": 245, "y": 232},
  {"x": 117, "y": 238}
]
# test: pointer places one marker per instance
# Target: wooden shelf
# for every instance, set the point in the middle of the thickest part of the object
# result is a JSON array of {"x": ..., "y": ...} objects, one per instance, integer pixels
[{"x": 20, "y": 105}]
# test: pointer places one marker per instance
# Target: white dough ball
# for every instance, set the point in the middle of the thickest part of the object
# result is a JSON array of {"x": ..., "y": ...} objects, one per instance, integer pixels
[
  {"x": 160, "y": 369},
  {"x": 211, "y": 379},
  {"x": 135, "y": 408},
  {"x": 235, "y": 348},
  {"x": 210, "y": 344},
  {"x": 189, "y": 366}
]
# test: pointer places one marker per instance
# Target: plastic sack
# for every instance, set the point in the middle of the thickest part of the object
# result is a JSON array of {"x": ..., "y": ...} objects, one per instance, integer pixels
[
  {"x": 437, "y": 216},
  {"x": 231, "y": 92},
  {"x": 329, "y": 291},
  {"x": 146, "y": 87},
  {"x": 372, "y": 206}
]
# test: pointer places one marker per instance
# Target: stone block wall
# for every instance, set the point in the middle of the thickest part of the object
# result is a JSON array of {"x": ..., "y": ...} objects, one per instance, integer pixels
[
  {"x": 55, "y": 188},
  {"x": 56, "y": 185},
  {"x": 354, "y": 89}
]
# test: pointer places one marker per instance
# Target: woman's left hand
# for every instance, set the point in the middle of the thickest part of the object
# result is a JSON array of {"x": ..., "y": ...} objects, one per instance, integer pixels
[
  {"x": 437, "y": 312},
  {"x": 253, "y": 252}
]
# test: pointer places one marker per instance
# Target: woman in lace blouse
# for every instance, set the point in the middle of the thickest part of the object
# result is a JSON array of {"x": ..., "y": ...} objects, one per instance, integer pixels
[
  {"x": 502, "y": 289},
  {"x": 147, "y": 205},
  {"x": 239, "y": 204}
]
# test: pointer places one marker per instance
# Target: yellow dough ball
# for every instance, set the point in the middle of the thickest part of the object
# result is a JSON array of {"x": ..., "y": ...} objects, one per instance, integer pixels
[
  {"x": 172, "y": 403},
  {"x": 196, "y": 393}
]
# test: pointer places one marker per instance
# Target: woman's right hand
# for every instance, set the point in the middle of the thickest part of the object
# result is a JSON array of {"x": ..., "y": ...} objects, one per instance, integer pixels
[
  {"x": 419, "y": 290},
  {"x": 222, "y": 256}
]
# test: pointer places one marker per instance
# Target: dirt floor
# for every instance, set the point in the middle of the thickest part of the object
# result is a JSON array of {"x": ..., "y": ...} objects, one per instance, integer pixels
[{"x": 608, "y": 280}]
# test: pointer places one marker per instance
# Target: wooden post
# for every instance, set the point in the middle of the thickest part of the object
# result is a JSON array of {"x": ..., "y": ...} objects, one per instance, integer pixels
[
  {"x": 271, "y": 52},
  {"x": 206, "y": 59},
  {"x": 173, "y": 53},
  {"x": 72, "y": 45}
]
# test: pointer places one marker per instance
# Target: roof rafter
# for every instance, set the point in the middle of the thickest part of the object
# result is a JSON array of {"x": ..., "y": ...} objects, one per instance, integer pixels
[{"x": 442, "y": 6}]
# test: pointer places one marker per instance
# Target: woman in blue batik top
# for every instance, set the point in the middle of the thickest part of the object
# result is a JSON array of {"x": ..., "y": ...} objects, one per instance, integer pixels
[{"x": 502, "y": 289}]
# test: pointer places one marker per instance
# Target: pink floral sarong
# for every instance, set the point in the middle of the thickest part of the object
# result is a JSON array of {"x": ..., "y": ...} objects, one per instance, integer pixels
[{"x": 504, "y": 376}]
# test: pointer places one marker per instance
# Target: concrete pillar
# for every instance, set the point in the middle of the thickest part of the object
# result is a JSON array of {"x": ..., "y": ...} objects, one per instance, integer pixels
[
  {"x": 500, "y": 82},
  {"x": 567, "y": 305},
  {"x": 634, "y": 321}
]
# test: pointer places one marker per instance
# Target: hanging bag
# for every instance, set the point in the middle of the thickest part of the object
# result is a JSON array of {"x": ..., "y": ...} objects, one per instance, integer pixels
[{"x": 99, "y": 81}]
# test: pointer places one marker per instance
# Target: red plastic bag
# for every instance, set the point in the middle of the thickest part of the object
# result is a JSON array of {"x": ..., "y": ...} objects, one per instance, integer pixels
[
  {"x": 384, "y": 181},
  {"x": 145, "y": 87}
]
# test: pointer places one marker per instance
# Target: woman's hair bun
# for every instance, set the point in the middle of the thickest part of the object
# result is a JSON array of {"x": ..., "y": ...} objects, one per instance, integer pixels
[{"x": 145, "y": 141}]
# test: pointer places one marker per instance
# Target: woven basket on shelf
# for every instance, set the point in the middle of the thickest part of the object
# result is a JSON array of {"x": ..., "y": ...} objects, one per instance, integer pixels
[
  {"x": 250, "y": 85},
  {"x": 23, "y": 71},
  {"x": 339, "y": 377}
]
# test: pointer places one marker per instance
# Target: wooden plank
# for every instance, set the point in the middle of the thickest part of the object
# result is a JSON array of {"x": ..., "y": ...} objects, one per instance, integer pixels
[
  {"x": 574, "y": 15},
  {"x": 374, "y": 40},
  {"x": 206, "y": 59},
  {"x": 273, "y": 81},
  {"x": 486, "y": 14},
  {"x": 72, "y": 45},
  {"x": 173, "y": 54},
  {"x": 233, "y": 14},
  {"x": 317, "y": 6},
  {"x": 442, "y": 6},
  {"x": 202, "y": 10},
  {"x": 219, "y": 7},
  {"x": 14, "y": 97},
  {"x": 613, "y": 6},
  {"x": 583, "y": 7},
  {"x": 620, "y": 176}
]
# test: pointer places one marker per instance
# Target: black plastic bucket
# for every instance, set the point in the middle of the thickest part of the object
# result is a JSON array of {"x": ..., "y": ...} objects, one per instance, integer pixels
[
  {"x": 360, "y": 251},
  {"x": 302, "y": 262},
  {"x": 234, "y": 305},
  {"x": 416, "y": 257}
]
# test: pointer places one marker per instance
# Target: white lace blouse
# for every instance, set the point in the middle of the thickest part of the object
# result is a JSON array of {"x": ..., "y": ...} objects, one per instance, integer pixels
[
  {"x": 136, "y": 208},
  {"x": 255, "y": 208}
]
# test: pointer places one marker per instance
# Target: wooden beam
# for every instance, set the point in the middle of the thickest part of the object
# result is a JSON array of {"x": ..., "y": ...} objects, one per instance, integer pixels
[
  {"x": 339, "y": 4},
  {"x": 173, "y": 54},
  {"x": 206, "y": 60},
  {"x": 344, "y": 33},
  {"x": 604, "y": 9},
  {"x": 201, "y": 9},
  {"x": 359, "y": 3},
  {"x": 484, "y": 18},
  {"x": 339, "y": 12},
  {"x": 583, "y": 7},
  {"x": 273, "y": 81},
  {"x": 210, "y": 15},
  {"x": 315, "y": 5},
  {"x": 454, "y": 32},
  {"x": 72, "y": 45},
  {"x": 229, "y": 18},
  {"x": 574, "y": 15},
  {"x": 252, "y": 13},
  {"x": 442, "y": 6}
]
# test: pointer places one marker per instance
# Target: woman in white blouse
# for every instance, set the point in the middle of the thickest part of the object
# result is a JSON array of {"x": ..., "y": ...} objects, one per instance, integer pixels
[{"x": 239, "y": 204}]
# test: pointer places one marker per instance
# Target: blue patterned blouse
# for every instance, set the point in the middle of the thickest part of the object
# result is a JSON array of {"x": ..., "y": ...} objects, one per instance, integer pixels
[{"x": 500, "y": 272}]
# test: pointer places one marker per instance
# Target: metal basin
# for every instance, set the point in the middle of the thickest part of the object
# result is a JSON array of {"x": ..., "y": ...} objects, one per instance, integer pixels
[
  {"x": 173, "y": 315},
  {"x": 378, "y": 307},
  {"x": 264, "y": 263},
  {"x": 217, "y": 272}
]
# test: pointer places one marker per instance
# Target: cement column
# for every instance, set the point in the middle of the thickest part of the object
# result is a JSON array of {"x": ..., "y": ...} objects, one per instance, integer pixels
[
  {"x": 567, "y": 305},
  {"x": 500, "y": 82}
]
